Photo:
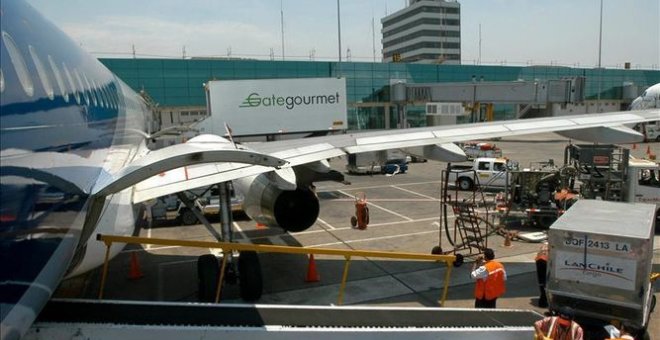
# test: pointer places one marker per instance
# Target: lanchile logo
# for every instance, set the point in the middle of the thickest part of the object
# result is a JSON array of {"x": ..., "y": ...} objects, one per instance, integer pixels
[{"x": 254, "y": 100}]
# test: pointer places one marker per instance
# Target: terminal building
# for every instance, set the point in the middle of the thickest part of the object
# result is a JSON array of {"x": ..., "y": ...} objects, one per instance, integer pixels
[
  {"x": 177, "y": 85},
  {"x": 427, "y": 31}
]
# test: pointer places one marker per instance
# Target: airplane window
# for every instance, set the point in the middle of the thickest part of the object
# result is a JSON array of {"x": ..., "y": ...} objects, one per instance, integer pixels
[
  {"x": 97, "y": 91},
  {"x": 41, "y": 73},
  {"x": 104, "y": 95},
  {"x": 82, "y": 87},
  {"x": 58, "y": 79},
  {"x": 19, "y": 64},
  {"x": 90, "y": 90},
  {"x": 111, "y": 96},
  {"x": 2, "y": 82},
  {"x": 72, "y": 85}
]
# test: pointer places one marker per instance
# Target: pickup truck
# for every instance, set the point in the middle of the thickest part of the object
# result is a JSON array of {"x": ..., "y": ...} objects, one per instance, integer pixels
[{"x": 490, "y": 172}]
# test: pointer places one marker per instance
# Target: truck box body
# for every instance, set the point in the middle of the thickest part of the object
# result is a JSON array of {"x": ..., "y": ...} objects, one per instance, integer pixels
[
  {"x": 276, "y": 106},
  {"x": 601, "y": 256}
]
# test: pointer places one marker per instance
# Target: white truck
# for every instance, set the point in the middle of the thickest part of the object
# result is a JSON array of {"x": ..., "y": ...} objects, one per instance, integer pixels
[
  {"x": 489, "y": 172},
  {"x": 600, "y": 261}
]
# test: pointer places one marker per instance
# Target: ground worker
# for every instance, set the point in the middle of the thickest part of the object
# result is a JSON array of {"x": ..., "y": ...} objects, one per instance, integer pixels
[
  {"x": 541, "y": 261},
  {"x": 561, "y": 327},
  {"x": 490, "y": 279}
]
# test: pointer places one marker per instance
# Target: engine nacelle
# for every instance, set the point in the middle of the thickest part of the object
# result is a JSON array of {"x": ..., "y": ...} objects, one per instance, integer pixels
[{"x": 292, "y": 210}]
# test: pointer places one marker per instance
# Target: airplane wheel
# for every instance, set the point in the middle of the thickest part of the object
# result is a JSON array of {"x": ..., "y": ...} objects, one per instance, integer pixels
[
  {"x": 208, "y": 270},
  {"x": 249, "y": 276},
  {"x": 188, "y": 217}
]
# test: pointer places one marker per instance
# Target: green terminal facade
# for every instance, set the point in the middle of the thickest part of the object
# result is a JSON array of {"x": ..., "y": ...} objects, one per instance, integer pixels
[{"x": 179, "y": 83}]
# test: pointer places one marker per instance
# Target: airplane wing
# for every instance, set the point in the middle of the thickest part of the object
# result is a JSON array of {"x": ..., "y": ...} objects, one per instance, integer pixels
[{"x": 607, "y": 127}]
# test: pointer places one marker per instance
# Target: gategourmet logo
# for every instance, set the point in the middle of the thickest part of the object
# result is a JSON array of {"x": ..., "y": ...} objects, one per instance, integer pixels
[{"x": 290, "y": 102}]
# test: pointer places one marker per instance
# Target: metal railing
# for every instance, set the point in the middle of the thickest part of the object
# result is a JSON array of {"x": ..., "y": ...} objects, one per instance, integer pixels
[{"x": 228, "y": 247}]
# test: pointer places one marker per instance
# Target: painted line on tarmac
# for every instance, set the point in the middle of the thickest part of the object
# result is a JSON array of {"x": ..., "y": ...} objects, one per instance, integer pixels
[
  {"x": 381, "y": 208},
  {"x": 325, "y": 224},
  {"x": 414, "y": 193},
  {"x": 328, "y": 189}
]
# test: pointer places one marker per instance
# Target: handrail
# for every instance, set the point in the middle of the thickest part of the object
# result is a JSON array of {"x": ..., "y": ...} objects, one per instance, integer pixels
[{"x": 232, "y": 246}]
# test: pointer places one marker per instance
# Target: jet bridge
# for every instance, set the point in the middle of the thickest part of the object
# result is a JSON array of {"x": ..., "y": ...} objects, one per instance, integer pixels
[{"x": 526, "y": 93}]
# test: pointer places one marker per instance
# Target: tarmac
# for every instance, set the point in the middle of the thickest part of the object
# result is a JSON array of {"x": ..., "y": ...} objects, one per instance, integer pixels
[{"x": 404, "y": 215}]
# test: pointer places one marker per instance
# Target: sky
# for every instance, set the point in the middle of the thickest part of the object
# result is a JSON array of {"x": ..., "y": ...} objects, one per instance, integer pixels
[{"x": 513, "y": 32}]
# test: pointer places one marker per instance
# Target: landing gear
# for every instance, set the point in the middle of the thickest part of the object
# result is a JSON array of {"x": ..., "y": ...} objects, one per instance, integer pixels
[
  {"x": 208, "y": 270},
  {"x": 249, "y": 276}
]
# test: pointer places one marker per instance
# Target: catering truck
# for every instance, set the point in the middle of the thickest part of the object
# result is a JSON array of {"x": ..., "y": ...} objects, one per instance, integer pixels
[{"x": 600, "y": 261}]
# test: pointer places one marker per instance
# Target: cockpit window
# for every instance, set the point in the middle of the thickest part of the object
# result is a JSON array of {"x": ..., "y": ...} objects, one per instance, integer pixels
[
  {"x": 41, "y": 73},
  {"x": 58, "y": 79},
  {"x": 19, "y": 64},
  {"x": 72, "y": 85}
]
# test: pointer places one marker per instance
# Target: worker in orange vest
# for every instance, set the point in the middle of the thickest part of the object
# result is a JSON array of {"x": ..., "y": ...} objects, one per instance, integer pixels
[
  {"x": 490, "y": 279},
  {"x": 541, "y": 261},
  {"x": 561, "y": 327}
]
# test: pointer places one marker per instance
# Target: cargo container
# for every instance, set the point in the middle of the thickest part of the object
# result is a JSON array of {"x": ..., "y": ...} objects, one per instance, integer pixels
[{"x": 601, "y": 257}]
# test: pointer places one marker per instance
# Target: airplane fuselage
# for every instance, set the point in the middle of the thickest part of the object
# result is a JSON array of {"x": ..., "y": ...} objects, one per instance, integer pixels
[{"x": 64, "y": 121}]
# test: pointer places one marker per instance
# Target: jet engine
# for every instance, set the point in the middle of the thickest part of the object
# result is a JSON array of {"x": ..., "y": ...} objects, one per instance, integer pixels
[{"x": 292, "y": 209}]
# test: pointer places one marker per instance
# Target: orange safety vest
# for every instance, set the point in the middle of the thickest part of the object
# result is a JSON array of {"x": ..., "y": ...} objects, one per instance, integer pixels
[
  {"x": 493, "y": 286},
  {"x": 554, "y": 328}
]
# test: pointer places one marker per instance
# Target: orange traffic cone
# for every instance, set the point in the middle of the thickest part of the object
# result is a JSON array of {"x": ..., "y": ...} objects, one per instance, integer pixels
[
  {"x": 312, "y": 275},
  {"x": 634, "y": 146},
  {"x": 135, "y": 272},
  {"x": 260, "y": 226},
  {"x": 648, "y": 150}
]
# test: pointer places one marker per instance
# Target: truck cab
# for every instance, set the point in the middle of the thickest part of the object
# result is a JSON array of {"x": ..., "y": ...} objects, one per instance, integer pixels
[{"x": 643, "y": 182}]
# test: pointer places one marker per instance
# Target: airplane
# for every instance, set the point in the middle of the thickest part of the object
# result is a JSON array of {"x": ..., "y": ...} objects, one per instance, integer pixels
[{"x": 74, "y": 161}]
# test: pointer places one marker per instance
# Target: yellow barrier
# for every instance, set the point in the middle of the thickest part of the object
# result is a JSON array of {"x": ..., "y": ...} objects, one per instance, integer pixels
[{"x": 228, "y": 247}]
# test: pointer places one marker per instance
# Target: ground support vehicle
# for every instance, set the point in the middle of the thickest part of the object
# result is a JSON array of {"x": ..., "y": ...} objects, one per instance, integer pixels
[
  {"x": 470, "y": 229},
  {"x": 491, "y": 172},
  {"x": 480, "y": 149},
  {"x": 206, "y": 200},
  {"x": 537, "y": 195},
  {"x": 600, "y": 262}
]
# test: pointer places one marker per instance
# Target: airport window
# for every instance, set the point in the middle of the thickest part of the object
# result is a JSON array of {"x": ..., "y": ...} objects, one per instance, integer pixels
[
  {"x": 72, "y": 84},
  {"x": 81, "y": 86},
  {"x": 425, "y": 21},
  {"x": 41, "y": 73},
  {"x": 422, "y": 9},
  {"x": 424, "y": 33},
  {"x": 58, "y": 79},
  {"x": 90, "y": 90},
  {"x": 19, "y": 64}
]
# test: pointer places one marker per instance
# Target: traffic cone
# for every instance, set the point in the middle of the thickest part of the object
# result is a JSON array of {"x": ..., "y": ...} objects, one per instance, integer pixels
[
  {"x": 507, "y": 239},
  {"x": 312, "y": 275},
  {"x": 634, "y": 146},
  {"x": 648, "y": 150},
  {"x": 135, "y": 272},
  {"x": 260, "y": 226}
]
